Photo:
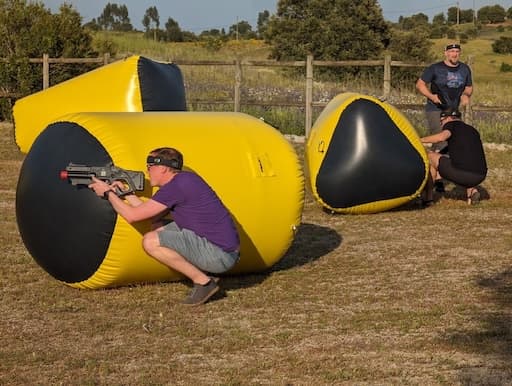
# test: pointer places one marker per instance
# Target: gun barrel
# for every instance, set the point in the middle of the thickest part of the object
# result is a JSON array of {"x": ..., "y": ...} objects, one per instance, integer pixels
[
  {"x": 67, "y": 174},
  {"x": 83, "y": 174}
]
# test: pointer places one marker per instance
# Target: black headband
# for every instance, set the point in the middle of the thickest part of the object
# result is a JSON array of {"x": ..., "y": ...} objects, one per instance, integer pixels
[
  {"x": 454, "y": 45},
  {"x": 450, "y": 113},
  {"x": 173, "y": 163}
]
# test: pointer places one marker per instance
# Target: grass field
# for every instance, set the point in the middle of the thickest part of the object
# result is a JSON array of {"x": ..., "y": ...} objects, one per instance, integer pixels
[
  {"x": 268, "y": 85},
  {"x": 409, "y": 296}
]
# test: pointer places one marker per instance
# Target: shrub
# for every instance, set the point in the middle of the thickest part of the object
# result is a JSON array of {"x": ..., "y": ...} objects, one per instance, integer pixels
[
  {"x": 30, "y": 30},
  {"x": 503, "y": 45},
  {"x": 505, "y": 67},
  {"x": 212, "y": 43}
]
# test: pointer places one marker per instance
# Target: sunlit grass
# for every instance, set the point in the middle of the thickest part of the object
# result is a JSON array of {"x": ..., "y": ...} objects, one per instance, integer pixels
[
  {"x": 272, "y": 87},
  {"x": 408, "y": 296}
]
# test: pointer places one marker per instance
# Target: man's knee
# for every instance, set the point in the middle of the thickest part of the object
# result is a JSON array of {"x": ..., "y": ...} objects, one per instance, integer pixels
[
  {"x": 434, "y": 157},
  {"x": 150, "y": 241}
]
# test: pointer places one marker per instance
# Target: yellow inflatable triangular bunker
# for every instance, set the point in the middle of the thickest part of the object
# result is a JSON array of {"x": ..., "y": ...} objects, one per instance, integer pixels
[{"x": 363, "y": 156}]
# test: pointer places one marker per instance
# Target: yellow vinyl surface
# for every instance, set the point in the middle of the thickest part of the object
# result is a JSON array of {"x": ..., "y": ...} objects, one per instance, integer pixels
[
  {"x": 113, "y": 88},
  {"x": 252, "y": 167}
]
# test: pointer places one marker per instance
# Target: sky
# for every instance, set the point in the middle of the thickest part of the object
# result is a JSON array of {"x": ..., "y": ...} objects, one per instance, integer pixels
[{"x": 200, "y": 15}]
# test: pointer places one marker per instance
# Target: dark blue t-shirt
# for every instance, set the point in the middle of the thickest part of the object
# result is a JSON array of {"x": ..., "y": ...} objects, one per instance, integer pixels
[
  {"x": 195, "y": 206},
  {"x": 448, "y": 83}
]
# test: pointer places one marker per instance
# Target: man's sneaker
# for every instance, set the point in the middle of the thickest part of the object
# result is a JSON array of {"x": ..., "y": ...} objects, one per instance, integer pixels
[
  {"x": 474, "y": 197},
  {"x": 439, "y": 186},
  {"x": 201, "y": 293}
]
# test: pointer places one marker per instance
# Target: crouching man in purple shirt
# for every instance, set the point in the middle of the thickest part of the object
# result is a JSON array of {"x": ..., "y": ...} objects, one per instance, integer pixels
[{"x": 201, "y": 238}]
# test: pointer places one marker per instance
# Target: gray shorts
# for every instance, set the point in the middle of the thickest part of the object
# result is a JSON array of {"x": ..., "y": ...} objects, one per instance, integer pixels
[
  {"x": 197, "y": 250},
  {"x": 434, "y": 127}
]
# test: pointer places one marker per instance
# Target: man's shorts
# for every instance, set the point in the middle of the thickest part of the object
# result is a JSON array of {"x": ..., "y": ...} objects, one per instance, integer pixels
[
  {"x": 197, "y": 250},
  {"x": 458, "y": 176},
  {"x": 434, "y": 127}
]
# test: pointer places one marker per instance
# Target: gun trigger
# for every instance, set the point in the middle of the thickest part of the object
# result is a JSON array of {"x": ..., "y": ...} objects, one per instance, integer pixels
[{"x": 122, "y": 193}]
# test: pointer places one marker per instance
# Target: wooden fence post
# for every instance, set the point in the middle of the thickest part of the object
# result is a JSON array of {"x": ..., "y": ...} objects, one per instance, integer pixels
[
  {"x": 106, "y": 58},
  {"x": 238, "y": 85},
  {"x": 386, "y": 90},
  {"x": 46, "y": 71},
  {"x": 309, "y": 95}
]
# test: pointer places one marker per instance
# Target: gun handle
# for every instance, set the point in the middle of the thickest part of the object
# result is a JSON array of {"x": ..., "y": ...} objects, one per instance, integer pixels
[{"x": 121, "y": 193}]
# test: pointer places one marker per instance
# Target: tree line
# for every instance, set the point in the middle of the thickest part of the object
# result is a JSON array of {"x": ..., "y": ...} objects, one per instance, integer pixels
[
  {"x": 115, "y": 17},
  {"x": 456, "y": 23},
  {"x": 332, "y": 30}
]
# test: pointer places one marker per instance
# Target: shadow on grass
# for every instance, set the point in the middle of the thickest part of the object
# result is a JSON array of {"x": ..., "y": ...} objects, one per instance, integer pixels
[
  {"x": 311, "y": 242},
  {"x": 493, "y": 338}
]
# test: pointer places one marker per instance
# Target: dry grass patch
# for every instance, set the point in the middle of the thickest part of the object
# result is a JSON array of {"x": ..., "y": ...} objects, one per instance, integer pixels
[{"x": 407, "y": 296}]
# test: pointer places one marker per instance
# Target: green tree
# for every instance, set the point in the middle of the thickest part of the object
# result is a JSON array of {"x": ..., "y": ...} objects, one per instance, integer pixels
[
  {"x": 189, "y": 36},
  {"x": 491, "y": 14},
  {"x": 452, "y": 15},
  {"x": 173, "y": 31},
  {"x": 241, "y": 30},
  {"x": 29, "y": 30},
  {"x": 509, "y": 13},
  {"x": 461, "y": 15},
  {"x": 412, "y": 22},
  {"x": 439, "y": 19},
  {"x": 466, "y": 16},
  {"x": 151, "y": 23},
  {"x": 263, "y": 19},
  {"x": 93, "y": 25},
  {"x": 214, "y": 32},
  {"x": 410, "y": 46},
  {"x": 438, "y": 31},
  {"x": 327, "y": 29},
  {"x": 115, "y": 18}
]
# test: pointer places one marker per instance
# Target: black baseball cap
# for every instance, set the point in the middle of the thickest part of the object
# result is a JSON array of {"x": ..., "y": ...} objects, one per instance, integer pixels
[
  {"x": 450, "y": 113},
  {"x": 452, "y": 45}
]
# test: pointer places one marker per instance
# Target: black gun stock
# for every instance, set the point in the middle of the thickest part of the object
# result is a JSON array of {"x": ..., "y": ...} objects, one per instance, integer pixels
[{"x": 78, "y": 174}]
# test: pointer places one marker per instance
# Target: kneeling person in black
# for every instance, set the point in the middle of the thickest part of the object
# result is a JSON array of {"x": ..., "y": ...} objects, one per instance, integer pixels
[{"x": 465, "y": 165}]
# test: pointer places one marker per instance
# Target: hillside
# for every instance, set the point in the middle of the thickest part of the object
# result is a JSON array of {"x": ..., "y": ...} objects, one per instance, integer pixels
[{"x": 270, "y": 85}]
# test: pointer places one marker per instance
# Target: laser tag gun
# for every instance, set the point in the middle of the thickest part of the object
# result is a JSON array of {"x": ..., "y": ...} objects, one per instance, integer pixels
[
  {"x": 444, "y": 102},
  {"x": 82, "y": 175}
]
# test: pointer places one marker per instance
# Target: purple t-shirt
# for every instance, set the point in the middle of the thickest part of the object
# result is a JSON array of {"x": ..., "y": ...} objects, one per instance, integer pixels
[{"x": 195, "y": 206}]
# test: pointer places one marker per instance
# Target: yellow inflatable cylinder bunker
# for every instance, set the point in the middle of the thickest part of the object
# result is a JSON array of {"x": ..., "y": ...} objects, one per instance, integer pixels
[
  {"x": 134, "y": 84},
  {"x": 364, "y": 156},
  {"x": 80, "y": 240}
]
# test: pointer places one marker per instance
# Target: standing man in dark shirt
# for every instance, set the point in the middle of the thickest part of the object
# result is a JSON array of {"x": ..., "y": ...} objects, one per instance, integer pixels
[
  {"x": 451, "y": 86},
  {"x": 466, "y": 165}
]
